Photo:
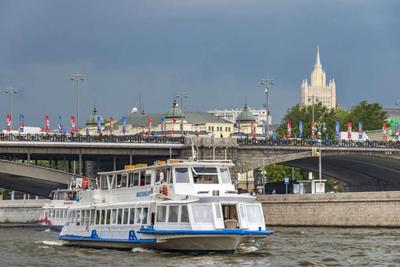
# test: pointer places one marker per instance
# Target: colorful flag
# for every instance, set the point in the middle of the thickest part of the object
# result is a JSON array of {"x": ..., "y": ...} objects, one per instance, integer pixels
[
  {"x": 162, "y": 123},
  {"x": 73, "y": 126},
  {"x": 9, "y": 119},
  {"x": 149, "y": 122},
  {"x": 337, "y": 130},
  {"x": 300, "y": 128},
  {"x": 47, "y": 124},
  {"x": 349, "y": 128},
  {"x": 289, "y": 128},
  {"x": 360, "y": 130},
  {"x": 123, "y": 124},
  {"x": 384, "y": 130},
  {"x": 21, "y": 123},
  {"x": 396, "y": 133},
  {"x": 111, "y": 125},
  {"x": 99, "y": 125},
  {"x": 60, "y": 128}
]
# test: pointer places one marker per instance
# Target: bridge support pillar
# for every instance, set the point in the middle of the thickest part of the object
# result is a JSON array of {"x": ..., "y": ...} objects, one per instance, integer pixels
[
  {"x": 28, "y": 158},
  {"x": 114, "y": 163},
  {"x": 130, "y": 159},
  {"x": 80, "y": 164}
]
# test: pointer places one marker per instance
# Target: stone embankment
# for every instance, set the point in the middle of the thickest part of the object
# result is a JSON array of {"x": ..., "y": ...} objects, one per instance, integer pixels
[
  {"x": 20, "y": 211},
  {"x": 358, "y": 209}
]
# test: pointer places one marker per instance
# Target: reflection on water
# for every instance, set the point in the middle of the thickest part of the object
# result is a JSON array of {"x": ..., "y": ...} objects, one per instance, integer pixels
[{"x": 286, "y": 247}]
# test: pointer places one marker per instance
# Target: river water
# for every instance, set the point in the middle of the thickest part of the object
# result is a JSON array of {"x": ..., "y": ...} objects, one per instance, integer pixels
[{"x": 286, "y": 247}]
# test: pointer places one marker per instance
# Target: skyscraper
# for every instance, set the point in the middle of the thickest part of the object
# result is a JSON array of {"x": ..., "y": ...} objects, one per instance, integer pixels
[{"x": 318, "y": 90}]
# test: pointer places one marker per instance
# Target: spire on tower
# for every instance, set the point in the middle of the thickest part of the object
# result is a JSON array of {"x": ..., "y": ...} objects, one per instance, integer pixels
[{"x": 318, "y": 61}]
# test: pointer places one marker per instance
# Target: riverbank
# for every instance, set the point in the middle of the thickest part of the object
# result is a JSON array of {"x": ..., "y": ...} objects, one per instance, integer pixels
[
  {"x": 20, "y": 211},
  {"x": 355, "y": 209}
]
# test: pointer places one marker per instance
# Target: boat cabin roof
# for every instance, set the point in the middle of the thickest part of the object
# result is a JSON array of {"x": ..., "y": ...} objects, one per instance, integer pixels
[{"x": 174, "y": 163}]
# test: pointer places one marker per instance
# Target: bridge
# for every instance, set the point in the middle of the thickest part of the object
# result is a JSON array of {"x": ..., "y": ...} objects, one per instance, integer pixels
[
  {"x": 363, "y": 166},
  {"x": 32, "y": 179}
]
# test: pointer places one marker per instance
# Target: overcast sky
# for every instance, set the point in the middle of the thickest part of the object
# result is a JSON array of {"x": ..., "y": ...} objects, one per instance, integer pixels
[{"x": 215, "y": 51}]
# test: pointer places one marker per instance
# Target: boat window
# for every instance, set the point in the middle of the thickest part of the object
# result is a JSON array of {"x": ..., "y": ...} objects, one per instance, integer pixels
[
  {"x": 181, "y": 175},
  {"x": 98, "y": 216},
  {"x": 144, "y": 215},
  {"x": 103, "y": 216},
  {"x": 205, "y": 175},
  {"x": 218, "y": 214},
  {"x": 142, "y": 178},
  {"x": 126, "y": 216},
  {"x": 184, "y": 214},
  {"x": 119, "y": 217},
  {"x": 138, "y": 215},
  {"x": 202, "y": 213},
  {"x": 113, "y": 216},
  {"x": 92, "y": 217},
  {"x": 158, "y": 175},
  {"x": 254, "y": 214},
  {"x": 161, "y": 213},
  {"x": 124, "y": 180},
  {"x": 243, "y": 213},
  {"x": 173, "y": 214},
  {"x": 148, "y": 178},
  {"x": 225, "y": 176},
  {"x": 132, "y": 216},
  {"x": 136, "y": 179},
  {"x": 78, "y": 217},
  {"x": 108, "y": 217},
  {"x": 118, "y": 181}
]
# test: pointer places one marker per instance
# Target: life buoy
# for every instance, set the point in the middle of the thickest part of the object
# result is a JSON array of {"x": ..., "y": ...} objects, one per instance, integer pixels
[
  {"x": 85, "y": 183},
  {"x": 164, "y": 190}
]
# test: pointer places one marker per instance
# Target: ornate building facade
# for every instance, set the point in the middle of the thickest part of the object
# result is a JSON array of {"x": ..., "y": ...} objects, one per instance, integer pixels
[{"x": 318, "y": 90}]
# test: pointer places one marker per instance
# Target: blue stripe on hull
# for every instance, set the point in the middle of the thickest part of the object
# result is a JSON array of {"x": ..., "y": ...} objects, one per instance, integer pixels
[
  {"x": 203, "y": 232},
  {"x": 89, "y": 238}
]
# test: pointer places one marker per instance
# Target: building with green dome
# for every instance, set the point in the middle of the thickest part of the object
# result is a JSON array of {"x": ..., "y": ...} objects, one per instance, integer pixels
[
  {"x": 246, "y": 122},
  {"x": 91, "y": 123},
  {"x": 171, "y": 122}
]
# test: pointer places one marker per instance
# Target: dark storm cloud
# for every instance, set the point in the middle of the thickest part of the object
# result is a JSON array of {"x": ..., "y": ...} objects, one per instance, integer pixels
[{"x": 216, "y": 51}]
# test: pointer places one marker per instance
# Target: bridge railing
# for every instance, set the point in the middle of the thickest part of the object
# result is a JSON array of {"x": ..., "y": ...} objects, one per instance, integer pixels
[
  {"x": 327, "y": 143},
  {"x": 92, "y": 138}
]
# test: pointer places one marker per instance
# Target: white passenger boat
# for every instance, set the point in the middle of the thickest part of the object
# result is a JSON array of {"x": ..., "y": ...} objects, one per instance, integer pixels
[
  {"x": 178, "y": 205},
  {"x": 54, "y": 213}
]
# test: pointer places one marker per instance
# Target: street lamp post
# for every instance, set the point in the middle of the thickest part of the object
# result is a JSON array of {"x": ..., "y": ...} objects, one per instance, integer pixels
[
  {"x": 77, "y": 77},
  {"x": 313, "y": 99},
  {"x": 321, "y": 128},
  {"x": 268, "y": 83},
  {"x": 181, "y": 96},
  {"x": 10, "y": 91}
]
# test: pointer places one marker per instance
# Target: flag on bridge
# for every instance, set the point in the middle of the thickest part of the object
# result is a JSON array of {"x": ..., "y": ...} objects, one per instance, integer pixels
[
  {"x": 123, "y": 124},
  {"x": 162, "y": 122},
  {"x": 396, "y": 133},
  {"x": 360, "y": 129},
  {"x": 60, "y": 128},
  {"x": 300, "y": 128},
  {"x": 99, "y": 125},
  {"x": 9, "y": 119},
  {"x": 21, "y": 123},
  {"x": 349, "y": 128},
  {"x": 47, "y": 124},
  {"x": 111, "y": 126},
  {"x": 337, "y": 130},
  {"x": 73, "y": 126},
  {"x": 289, "y": 128},
  {"x": 384, "y": 130},
  {"x": 149, "y": 122}
]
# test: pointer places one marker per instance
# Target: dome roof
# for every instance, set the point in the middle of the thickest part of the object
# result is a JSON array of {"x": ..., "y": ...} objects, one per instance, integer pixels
[
  {"x": 245, "y": 115},
  {"x": 92, "y": 118},
  {"x": 174, "y": 111}
]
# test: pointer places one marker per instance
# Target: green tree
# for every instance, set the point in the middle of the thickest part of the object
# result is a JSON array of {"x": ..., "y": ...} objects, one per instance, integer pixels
[
  {"x": 370, "y": 114},
  {"x": 276, "y": 173},
  {"x": 304, "y": 113}
]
